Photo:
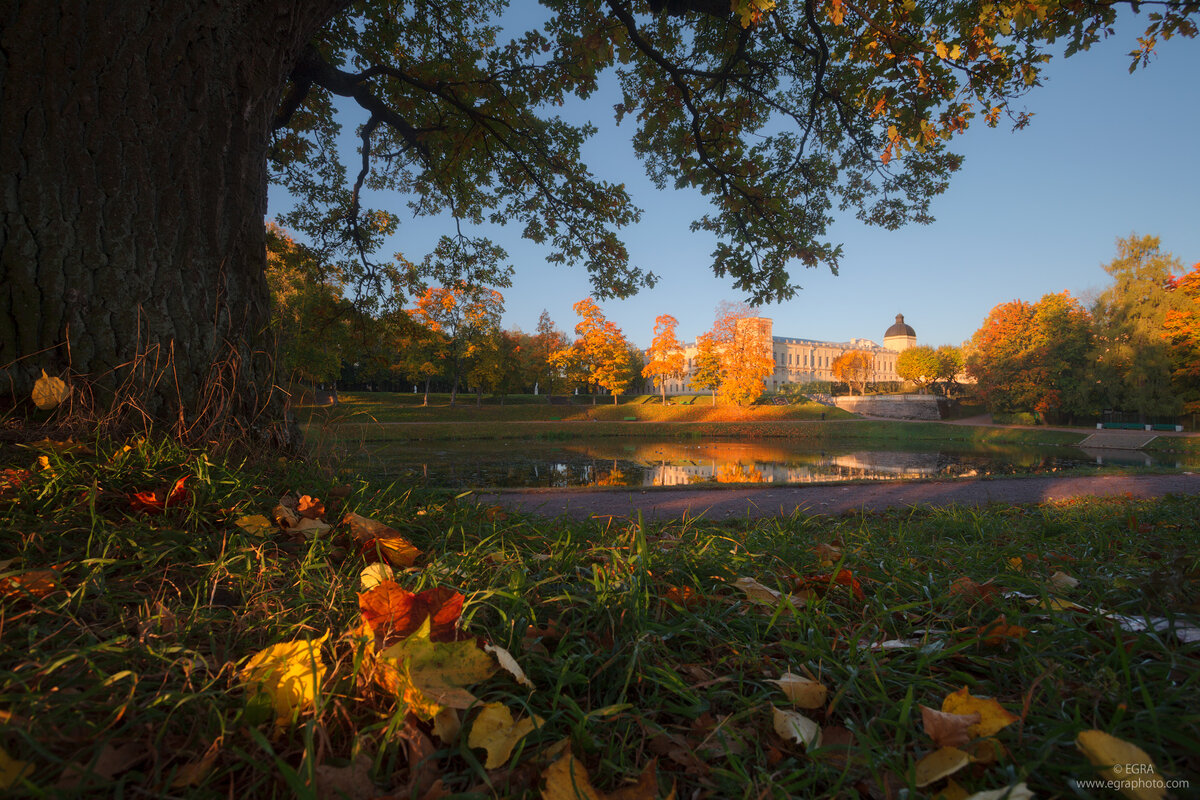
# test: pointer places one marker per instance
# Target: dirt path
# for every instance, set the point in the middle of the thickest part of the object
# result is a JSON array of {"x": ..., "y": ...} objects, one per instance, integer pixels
[{"x": 812, "y": 500}]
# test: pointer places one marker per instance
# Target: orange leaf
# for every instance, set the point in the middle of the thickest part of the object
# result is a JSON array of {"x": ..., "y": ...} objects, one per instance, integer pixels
[
  {"x": 683, "y": 596},
  {"x": 34, "y": 583},
  {"x": 996, "y": 633},
  {"x": 310, "y": 507},
  {"x": 154, "y": 502},
  {"x": 393, "y": 613}
]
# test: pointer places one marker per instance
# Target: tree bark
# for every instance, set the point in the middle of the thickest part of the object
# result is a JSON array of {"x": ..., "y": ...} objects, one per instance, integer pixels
[{"x": 133, "y": 170}]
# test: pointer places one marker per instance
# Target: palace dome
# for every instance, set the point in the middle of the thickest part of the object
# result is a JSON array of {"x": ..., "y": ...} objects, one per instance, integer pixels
[{"x": 900, "y": 329}]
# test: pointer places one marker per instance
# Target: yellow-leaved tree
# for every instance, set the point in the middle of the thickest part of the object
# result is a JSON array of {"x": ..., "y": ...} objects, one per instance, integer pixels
[
  {"x": 600, "y": 356},
  {"x": 743, "y": 344},
  {"x": 666, "y": 354}
]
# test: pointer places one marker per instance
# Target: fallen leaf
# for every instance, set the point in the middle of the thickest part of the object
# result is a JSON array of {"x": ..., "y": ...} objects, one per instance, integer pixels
[
  {"x": 757, "y": 593},
  {"x": 803, "y": 692},
  {"x": 31, "y": 583},
  {"x": 1000, "y": 631},
  {"x": 646, "y": 787},
  {"x": 951, "y": 791},
  {"x": 311, "y": 528},
  {"x": 1123, "y": 762},
  {"x": 1061, "y": 580},
  {"x": 567, "y": 779},
  {"x": 795, "y": 727},
  {"x": 822, "y": 583},
  {"x": 497, "y": 732},
  {"x": 446, "y": 725},
  {"x": 509, "y": 664},
  {"x": 968, "y": 589},
  {"x": 49, "y": 392},
  {"x": 429, "y": 676},
  {"x": 289, "y": 674},
  {"x": 285, "y": 516},
  {"x": 827, "y": 554},
  {"x": 193, "y": 773},
  {"x": 992, "y": 716},
  {"x": 310, "y": 507},
  {"x": 396, "y": 551},
  {"x": 13, "y": 479},
  {"x": 157, "y": 502},
  {"x": 375, "y": 574},
  {"x": 352, "y": 782},
  {"x": 111, "y": 761},
  {"x": 64, "y": 447},
  {"x": 394, "y": 613},
  {"x": 12, "y": 770},
  {"x": 255, "y": 525},
  {"x": 683, "y": 596},
  {"x": 422, "y": 765},
  {"x": 938, "y": 764},
  {"x": 948, "y": 730}
]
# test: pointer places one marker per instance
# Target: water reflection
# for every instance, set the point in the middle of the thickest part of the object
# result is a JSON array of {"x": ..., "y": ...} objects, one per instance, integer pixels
[{"x": 636, "y": 462}]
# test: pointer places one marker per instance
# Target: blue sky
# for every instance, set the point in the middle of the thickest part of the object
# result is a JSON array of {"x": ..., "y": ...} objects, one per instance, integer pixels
[{"x": 1031, "y": 212}]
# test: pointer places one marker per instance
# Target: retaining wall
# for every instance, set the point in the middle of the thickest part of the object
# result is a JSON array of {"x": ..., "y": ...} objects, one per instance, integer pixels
[{"x": 895, "y": 406}]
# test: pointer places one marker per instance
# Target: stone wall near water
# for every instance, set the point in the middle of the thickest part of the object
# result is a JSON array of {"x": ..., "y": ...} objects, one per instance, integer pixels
[{"x": 895, "y": 406}]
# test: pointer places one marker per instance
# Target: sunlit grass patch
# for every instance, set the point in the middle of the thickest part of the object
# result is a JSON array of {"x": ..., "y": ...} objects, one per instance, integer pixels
[{"x": 121, "y": 667}]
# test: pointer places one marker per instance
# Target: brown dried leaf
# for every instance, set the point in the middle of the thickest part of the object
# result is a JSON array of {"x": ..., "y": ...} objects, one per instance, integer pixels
[{"x": 948, "y": 730}]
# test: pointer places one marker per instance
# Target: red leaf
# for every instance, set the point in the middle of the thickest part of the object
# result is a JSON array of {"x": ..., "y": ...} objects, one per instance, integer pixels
[{"x": 393, "y": 613}]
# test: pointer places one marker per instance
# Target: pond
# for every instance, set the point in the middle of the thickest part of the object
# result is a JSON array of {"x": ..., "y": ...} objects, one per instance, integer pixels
[{"x": 657, "y": 462}]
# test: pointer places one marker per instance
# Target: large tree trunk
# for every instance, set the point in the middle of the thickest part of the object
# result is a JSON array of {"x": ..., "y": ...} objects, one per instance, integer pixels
[{"x": 133, "y": 167}]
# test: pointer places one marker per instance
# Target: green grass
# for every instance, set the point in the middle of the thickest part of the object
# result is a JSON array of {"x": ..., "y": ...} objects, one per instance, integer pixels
[
  {"x": 389, "y": 407},
  {"x": 139, "y": 650}
]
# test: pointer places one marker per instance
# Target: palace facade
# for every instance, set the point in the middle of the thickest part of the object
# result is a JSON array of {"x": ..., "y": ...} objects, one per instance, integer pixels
[{"x": 808, "y": 360}]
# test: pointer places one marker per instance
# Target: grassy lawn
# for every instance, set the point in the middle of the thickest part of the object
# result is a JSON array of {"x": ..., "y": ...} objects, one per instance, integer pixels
[
  {"x": 127, "y": 623},
  {"x": 357, "y": 419}
]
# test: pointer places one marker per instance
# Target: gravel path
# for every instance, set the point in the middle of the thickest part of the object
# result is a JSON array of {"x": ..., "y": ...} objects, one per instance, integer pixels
[{"x": 765, "y": 502}]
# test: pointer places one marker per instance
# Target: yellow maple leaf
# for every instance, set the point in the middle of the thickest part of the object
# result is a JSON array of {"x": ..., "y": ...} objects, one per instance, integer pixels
[
  {"x": 289, "y": 673},
  {"x": 1125, "y": 763},
  {"x": 496, "y": 731},
  {"x": 429, "y": 676},
  {"x": 255, "y": 525},
  {"x": 49, "y": 392},
  {"x": 992, "y": 715}
]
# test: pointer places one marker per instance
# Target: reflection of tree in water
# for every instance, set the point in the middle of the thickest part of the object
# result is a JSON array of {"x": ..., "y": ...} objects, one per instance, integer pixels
[
  {"x": 613, "y": 477},
  {"x": 738, "y": 473}
]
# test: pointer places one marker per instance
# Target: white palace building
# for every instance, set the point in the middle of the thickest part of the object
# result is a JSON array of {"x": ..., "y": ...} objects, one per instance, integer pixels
[{"x": 808, "y": 360}]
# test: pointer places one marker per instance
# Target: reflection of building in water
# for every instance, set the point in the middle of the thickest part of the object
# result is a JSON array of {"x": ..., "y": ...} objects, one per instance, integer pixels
[
  {"x": 808, "y": 360},
  {"x": 855, "y": 466}
]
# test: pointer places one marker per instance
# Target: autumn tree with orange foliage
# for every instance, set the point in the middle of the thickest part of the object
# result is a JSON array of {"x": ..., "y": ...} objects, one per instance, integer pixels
[
  {"x": 1181, "y": 329},
  {"x": 1034, "y": 357},
  {"x": 743, "y": 344},
  {"x": 856, "y": 368},
  {"x": 666, "y": 354},
  {"x": 465, "y": 315},
  {"x": 600, "y": 355}
]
